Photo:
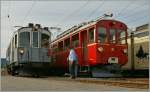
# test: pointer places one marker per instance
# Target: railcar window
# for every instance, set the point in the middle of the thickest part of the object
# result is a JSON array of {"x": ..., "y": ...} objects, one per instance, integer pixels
[
  {"x": 8, "y": 53},
  {"x": 121, "y": 36},
  {"x": 12, "y": 54},
  {"x": 13, "y": 45},
  {"x": 35, "y": 39},
  {"x": 54, "y": 48},
  {"x": 44, "y": 41},
  {"x": 122, "y": 33},
  {"x": 112, "y": 35},
  {"x": 67, "y": 43},
  {"x": 60, "y": 46},
  {"x": 91, "y": 35},
  {"x": 24, "y": 39},
  {"x": 75, "y": 40},
  {"x": 15, "y": 41},
  {"x": 102, "y": 37}
]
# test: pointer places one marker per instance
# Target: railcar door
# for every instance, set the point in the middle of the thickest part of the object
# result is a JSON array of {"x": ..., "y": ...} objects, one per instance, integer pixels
[
  {"x": 84, "y": 46},
  {"x": 35, "y": 51}
]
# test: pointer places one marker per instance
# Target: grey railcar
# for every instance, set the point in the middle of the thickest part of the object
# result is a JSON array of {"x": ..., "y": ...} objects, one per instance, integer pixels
[{"x": 28, "y": 51}]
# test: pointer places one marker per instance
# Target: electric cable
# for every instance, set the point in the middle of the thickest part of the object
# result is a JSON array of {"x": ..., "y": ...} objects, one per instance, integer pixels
[
  {"x": 72, "y": 13},
  {"x": 29, "y": 11}
]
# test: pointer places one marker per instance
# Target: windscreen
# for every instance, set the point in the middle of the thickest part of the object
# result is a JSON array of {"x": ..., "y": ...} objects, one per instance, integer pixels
[
  {"x": 112, "y": 36},
  {"x": 117, "y": 36},
  {"x": 35, "y": 39},
  {"x": 102, "y": 37},
  {"x": 44, "y": 40},
  {"x": 121, "y": 36},
  {"x": 24, "y": 39}
]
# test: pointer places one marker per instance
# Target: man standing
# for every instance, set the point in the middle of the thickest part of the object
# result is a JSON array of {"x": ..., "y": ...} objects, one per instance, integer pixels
[{"x": 72, "y": 63}]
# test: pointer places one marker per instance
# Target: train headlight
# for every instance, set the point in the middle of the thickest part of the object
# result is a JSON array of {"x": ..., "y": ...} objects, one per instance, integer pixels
[
  {"x": 125, "y": 51},
  {"x": 112, "y": 49},
  {"x": 21, "y": 51},
  {"x": 100, "y": 49}
]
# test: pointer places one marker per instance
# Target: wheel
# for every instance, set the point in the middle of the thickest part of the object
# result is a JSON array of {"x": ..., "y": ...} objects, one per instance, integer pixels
[
  {"x": 37, "y": 75},
  {"x": 14, "y": 71},
  {"x": 8, "y": 69}
]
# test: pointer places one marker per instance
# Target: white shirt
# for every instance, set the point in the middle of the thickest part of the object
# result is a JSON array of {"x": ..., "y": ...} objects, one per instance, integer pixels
[{"x": 72, "y": 55}]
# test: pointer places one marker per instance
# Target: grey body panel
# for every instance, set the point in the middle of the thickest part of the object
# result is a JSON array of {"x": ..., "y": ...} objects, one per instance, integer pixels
[
  {"x": 44, "y": 55},
  {"x": 34, "y": 55},
  {"x": 24, "y": 57},
  {"x": 15, "y": 54}
]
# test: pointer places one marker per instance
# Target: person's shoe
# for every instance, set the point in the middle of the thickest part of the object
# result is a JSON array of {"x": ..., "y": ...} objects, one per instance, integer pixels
[
  {"x": 70, "y": 77},
  {"x": 73, "y": 77}
]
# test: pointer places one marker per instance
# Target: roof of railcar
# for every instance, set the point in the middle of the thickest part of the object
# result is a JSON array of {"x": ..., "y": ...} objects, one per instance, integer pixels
[
  {"x": 23, "y": 28},
  {"x": 79, "y": 27},
  {"x": 31, "y": 27}
]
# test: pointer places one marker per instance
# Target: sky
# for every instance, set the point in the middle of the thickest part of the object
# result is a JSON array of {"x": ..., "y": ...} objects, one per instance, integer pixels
[{"x": 65, "y": 14}]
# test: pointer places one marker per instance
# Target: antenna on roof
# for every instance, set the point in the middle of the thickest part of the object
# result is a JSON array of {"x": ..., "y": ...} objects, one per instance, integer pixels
[
  {"x": 108, "y": 15},
  {"x": 17, "y": 26},
  {"x": 104, "y": 16},
  {"x": 57, "y": 28}
]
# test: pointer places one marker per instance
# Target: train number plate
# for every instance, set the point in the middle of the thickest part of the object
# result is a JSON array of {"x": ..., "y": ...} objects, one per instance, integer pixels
[{"x": 113, "y": 60}]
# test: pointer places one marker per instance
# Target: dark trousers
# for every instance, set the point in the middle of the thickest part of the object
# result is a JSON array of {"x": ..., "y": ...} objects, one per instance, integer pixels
[{"x": 73, "y": 68}]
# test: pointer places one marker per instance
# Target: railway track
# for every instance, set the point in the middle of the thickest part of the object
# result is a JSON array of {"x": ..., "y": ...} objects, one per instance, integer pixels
[
  {"x": 139, "y": 83},
  {"x": 129, "y": 83}
]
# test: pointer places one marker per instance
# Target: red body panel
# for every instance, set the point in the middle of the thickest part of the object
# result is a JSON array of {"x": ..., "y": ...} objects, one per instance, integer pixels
[{"x": 96, "y": 57}]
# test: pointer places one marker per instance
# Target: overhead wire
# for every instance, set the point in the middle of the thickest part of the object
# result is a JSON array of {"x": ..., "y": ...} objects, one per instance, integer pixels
[
  {"x": 28, "y": 12},
  {"x": 4, "y": 17},
  {"x": 132, "y": 13},
  {"x": 72, "y": 13},
  {"x": 95, "y": 10},
  {"x": 137, "y": 19},
  {"x": 66, "y": 18},
  {"x": 125, "y": 8},
  {"x": 9, "y": 16}
]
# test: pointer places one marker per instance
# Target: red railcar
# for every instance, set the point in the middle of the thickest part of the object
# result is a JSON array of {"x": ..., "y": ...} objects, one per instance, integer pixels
[{"x": 97, "y": 43}]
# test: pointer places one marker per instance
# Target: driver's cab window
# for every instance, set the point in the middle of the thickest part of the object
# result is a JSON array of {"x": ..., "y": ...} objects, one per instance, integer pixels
[
  {"x": 112, "y": 36},
  {"x": 35, "y": 41},
  {"x": 102, "y": 37},
  {"x": 24, "y": 39},
  {"x": 121, "y": 37},
  {"x": 44, "y": 40}
]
